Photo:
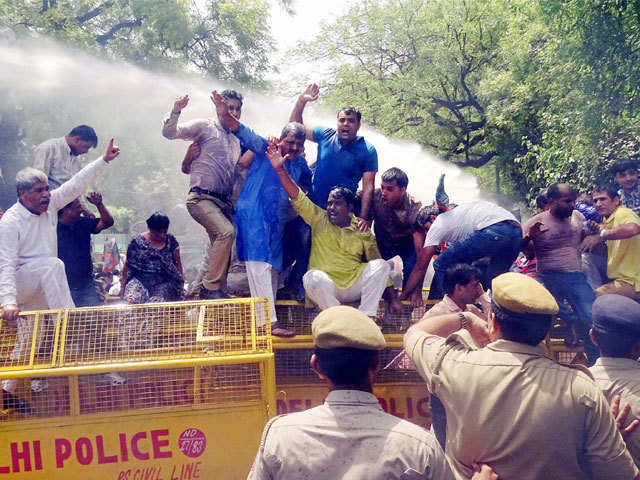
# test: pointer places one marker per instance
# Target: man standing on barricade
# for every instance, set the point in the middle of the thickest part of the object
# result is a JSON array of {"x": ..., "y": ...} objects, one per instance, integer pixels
[
  {"x": 344, "y": 159},
  {"x": 616, "y": 332},
  {"x": 394, "y": 214},
  {"x": 211, "y": 170},
  {"x": 350, "y": 436},
  {"x": 263, "y": 207},
  {"x": 508, "y": 404},
  {"x": 31, "y": 275},
  {"x": 474, "y": 230},
  {"x": 61, "y": 158},
  {"x": 557, "y": 234},
  {"x": 74, "y": 247},
  {"x": 336, "y": 271}
]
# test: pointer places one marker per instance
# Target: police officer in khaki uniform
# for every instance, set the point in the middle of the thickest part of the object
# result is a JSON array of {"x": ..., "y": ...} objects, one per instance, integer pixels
[
  {"x": 616, "y": 332},
  {"x": 350, "y": 436},
  {"x": 510, "y": 406}
]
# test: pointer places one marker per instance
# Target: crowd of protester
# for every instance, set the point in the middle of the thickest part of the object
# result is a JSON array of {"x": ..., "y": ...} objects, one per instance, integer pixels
[{"x": 500, "y": 406}]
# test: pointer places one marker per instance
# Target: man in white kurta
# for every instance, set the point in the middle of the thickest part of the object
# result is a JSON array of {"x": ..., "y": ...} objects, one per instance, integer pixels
[{"x": 31, "y": 275}]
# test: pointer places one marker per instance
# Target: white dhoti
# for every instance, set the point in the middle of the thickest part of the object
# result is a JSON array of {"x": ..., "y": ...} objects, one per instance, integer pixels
[
  {"x": 263, "y": 282},
  {"x": 41, "y": 285},
  {"x": 368, "y": 288}
]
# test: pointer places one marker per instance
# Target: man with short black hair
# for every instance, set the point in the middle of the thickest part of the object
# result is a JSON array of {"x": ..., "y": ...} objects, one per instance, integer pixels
[
  {"x": 74, "y": 247},
  {"x": 394, "y": 221},
  {"x": 210, "y": 165},
  {"x": 344, "y": 158},
  {"x": 61, "y": 158},
  {"x": 620, "y": 229},
  {"x": 508, "y": 404},
  {"x": 616, "y": 332},
  {"x": 556, "y": 234},
  {"x": 336, "y": 270},
  {"x": 626, "y": 176},
  {"x": 350, "y": 436}
]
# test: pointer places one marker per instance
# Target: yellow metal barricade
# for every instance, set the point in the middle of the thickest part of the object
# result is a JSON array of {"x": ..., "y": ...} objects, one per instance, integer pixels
[{"x": 199, "y": 385}]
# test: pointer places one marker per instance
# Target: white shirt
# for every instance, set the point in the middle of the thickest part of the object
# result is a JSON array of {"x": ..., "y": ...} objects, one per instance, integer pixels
[
  {"x": 25, "y": 237},
  {"x": 463, "y": 220},
  {"x": 54, "y": 158},
  {"x": 349, "y": 437}
]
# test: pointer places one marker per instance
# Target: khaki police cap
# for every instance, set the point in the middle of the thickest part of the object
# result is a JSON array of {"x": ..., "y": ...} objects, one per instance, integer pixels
[
  {"x": 520, "y": 293},
  {"x": 344, "y": 326}
]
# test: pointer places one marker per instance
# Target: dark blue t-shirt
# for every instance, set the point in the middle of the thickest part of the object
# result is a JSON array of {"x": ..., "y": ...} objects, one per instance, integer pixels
[
  {"x": 339, "y": 165},
  {"x": 74, "y": 249}
]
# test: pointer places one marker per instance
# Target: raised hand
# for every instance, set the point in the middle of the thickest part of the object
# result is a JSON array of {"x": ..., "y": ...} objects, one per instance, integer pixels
[
  {"x": 180, "y": 103},
  {"x": 112, "y": 152},
  {"x": 94, "y": 198},
  {"x": 275, "y": 156},
  {"x": 219, "y": 102},
  {"x": 310, "y": 93},
  {"x": 478, "y": 329}
]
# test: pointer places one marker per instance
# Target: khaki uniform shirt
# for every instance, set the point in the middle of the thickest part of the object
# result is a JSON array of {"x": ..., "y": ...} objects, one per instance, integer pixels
[
  {"x": 54, "y": 158},
  {"x": 350, "y": 437},
  {"x": 337, "y": 251},
  {"x": 621, "y": 376},
  {"x": 513, "y": 408}
]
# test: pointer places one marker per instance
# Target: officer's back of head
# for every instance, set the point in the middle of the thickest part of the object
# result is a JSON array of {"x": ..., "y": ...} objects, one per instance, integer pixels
[
  {"x": 346, "y": 348},
  {"x": 616, "y": 326}
]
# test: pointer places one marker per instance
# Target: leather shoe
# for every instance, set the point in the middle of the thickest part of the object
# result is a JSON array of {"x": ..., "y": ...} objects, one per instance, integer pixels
[
  {"x": 206, "y": 294},
  {"x": 279, "y": 331}
]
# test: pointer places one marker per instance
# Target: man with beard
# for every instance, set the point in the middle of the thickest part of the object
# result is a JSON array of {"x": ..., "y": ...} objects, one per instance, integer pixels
[
  {"x": 556, "y": 234},
  {"x": 60, "y": 158}
]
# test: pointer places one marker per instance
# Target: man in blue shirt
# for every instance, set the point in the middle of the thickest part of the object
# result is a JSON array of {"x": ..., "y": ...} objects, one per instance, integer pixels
[
  {"x": 263, "y": 208},
  {"x": 344, "y": 158}
]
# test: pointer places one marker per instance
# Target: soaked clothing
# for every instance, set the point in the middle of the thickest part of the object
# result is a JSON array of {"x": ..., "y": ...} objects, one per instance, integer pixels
[
  {"x": 513, "y": 408},
  {"x": 621, "y": 376},
  {"x": 55, "y": 159},
  {"x": 557, "y": 248},
  {"x": 393, "y": 225},
  {"x": 349, "y": 437},
  {"x": 263, "y": 207},
  {"x": 213, "y": 170},
  {"x": 339, "y": 165},
  {"x": 155, "y": 271},
  {"x": 631, "y": 200}
]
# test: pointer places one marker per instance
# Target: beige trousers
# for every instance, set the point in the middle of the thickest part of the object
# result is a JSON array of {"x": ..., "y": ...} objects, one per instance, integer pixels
[
  {"x": 221, "y": 234},
  {"x": 619, "y": 287}
]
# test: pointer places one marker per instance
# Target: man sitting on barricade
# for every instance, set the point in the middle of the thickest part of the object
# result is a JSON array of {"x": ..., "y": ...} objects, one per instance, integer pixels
[
  {"x": 336, "y": 271},
  {"x": 31, "y": 275}
]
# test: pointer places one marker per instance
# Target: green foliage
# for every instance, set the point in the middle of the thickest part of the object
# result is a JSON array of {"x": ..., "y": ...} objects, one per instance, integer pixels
[
  {"x": 528, "y": 92},
  {"x": 224, "y": 38},
  {"x": 122, "y": 218}
]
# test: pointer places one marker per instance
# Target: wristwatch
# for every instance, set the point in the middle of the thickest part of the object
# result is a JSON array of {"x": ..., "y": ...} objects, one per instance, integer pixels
[{"x": 463, "y": 320}]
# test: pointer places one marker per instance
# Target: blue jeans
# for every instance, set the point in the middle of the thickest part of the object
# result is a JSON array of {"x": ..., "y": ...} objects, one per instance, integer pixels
[
  {"x": 406, "y": 250},
  {"x": 573, "y": 287},
  {"x": 500, "y": 241}
]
